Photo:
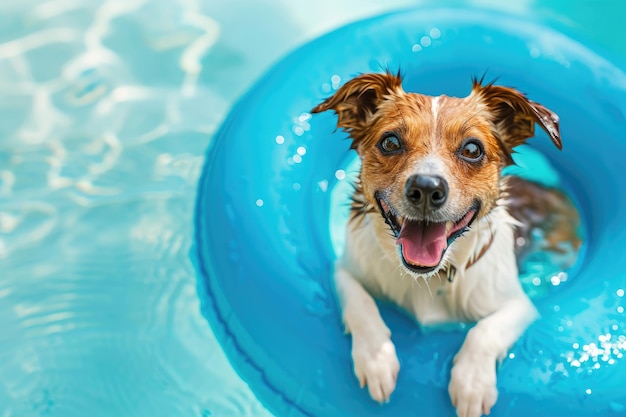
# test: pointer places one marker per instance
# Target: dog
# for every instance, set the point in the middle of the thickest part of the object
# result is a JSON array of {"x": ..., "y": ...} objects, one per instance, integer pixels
[{"x": 431, "y": 230}]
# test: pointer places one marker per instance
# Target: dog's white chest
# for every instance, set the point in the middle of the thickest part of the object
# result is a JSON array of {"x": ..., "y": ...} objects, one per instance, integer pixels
[
  {"x": 436, "y": 300},
  {"x": 430, "y": 303},
  {"x": 382, "y": 276}
]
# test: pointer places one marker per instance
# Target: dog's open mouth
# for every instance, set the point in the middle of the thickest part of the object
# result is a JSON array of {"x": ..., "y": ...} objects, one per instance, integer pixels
[{"x": 423, "y": 243}]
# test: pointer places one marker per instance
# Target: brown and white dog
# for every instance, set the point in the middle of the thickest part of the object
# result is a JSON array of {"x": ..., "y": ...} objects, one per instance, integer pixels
[{"x": 431, "y": 230}]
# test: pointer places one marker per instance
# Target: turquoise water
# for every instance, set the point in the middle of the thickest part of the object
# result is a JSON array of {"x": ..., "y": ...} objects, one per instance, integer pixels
[{"x": 106, "y": 108}]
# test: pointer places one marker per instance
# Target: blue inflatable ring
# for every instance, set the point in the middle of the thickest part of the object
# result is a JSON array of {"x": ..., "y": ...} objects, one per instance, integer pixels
[{"x": 263, "y": 249}]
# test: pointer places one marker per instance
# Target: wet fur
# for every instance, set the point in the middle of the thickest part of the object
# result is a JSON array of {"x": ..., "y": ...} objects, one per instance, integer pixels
[{"x": 477, "y": 279}]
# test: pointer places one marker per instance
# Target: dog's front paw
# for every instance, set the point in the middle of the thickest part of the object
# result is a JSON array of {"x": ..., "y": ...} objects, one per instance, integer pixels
[
  {"x": 376, "y": 365},
  {"x": 473, "y": 386}
]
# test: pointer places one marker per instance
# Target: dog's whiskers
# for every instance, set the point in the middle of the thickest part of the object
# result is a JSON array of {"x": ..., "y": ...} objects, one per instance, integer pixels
[
  {"x": 430, "y": 292},
  {"x": 359, "y": 206}
]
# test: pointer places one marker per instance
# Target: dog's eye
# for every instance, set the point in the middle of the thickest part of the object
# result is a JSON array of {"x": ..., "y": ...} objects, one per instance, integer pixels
[
  {"x": 390, "y": 144},
  {"x": 472, "y": 150}
]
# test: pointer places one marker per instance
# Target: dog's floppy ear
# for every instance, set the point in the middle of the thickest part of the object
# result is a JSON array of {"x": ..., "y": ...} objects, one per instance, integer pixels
[
  {"x": 514, "y": 116},
  {"x": 356, "y": 101}
]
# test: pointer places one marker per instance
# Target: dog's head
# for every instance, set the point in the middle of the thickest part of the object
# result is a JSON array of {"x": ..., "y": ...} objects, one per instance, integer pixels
[{"x": 432, "y": 165}]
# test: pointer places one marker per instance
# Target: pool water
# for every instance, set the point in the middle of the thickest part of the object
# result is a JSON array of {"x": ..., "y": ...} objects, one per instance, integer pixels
[{"x": 106, "y": 109}]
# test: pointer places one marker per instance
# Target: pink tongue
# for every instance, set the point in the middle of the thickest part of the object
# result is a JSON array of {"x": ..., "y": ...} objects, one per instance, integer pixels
[{"x": 422, "y": 245}]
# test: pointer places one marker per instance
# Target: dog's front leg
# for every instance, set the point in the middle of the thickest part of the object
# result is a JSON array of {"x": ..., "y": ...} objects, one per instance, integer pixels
[
  {"x": 473, "y": 381},
  {"x": 375, "y": 362}
]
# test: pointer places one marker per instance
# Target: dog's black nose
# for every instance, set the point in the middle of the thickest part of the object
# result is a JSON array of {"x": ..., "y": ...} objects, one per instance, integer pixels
[{"x": 426, "y": 191}]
